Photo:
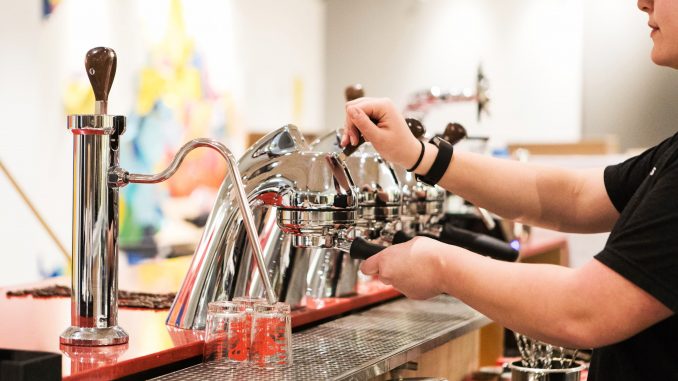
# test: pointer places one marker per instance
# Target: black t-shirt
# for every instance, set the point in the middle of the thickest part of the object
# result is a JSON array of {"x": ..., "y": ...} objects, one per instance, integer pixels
[{"x": 643, "y": 248}]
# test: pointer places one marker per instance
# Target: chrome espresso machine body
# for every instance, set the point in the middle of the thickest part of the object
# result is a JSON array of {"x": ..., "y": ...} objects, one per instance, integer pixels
[
  {"x": 332, "y": 272},
  {"x": 282, "y": 203},
  {"x": 300, "y": 198}
]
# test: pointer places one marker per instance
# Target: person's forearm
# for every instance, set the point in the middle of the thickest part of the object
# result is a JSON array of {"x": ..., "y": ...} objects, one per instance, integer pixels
[
  {"x": 536, "y": 195},
  {"x": 536, "y": 300}
]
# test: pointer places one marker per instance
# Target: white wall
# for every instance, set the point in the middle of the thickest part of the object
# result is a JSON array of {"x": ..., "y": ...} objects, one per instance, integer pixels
[
  {"x": 34, "y": 143},
  {"x": 281, "y": 47},
  {"x": 530, "y": 51},
  {"x": 624, "y": 93},
  {"x": 259, "y": 67}
]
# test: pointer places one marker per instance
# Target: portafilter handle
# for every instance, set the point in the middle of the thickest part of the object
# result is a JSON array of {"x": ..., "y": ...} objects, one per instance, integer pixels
[
  {"x": 478, "y": 243},
  {"x": 362, "y": 249},
  {"x": 481, "y": 244}
]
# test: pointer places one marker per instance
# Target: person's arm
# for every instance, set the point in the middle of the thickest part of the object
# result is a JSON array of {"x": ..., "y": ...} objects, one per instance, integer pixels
[
  {"x": 555, "y": 198},
  {"x": 560, "y": 199},
  {"x": 587, "y": 307}
]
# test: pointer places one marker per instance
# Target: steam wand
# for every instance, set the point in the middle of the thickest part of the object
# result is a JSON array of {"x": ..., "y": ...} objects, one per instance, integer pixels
[{"x": 122, "y": 177}]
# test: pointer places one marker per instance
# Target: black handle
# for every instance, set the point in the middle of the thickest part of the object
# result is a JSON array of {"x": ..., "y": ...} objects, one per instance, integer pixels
[
  {"x": 350, "y": 149},
  {"x": 400, "y": 237},
  {"x": 479, "y": 243},
  {"x": 361, "y": 249},
  {"x": 351, "y": 93}
]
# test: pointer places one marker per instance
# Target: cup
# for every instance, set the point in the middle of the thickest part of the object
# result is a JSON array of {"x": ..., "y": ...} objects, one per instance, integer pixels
[
  {"x": 248, "y": 302},
  {"x": 557, "y": 372},
  {"x": 271, "y": 336},
  {"x": 227, "y": 335}
]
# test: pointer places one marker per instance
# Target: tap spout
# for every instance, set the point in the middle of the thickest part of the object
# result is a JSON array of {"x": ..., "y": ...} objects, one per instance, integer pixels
[{"x": 243, "y": 204}]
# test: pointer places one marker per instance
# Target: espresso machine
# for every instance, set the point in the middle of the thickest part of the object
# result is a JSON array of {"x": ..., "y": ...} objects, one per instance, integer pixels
[
  {"x": 333, "y": 272},
  {"x": 284, "y": 202}
]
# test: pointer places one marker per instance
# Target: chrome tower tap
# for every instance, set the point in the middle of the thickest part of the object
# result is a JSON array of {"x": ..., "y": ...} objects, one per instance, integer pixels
[
  {"x": 97, "y": 177},
  {"x": 94, "y": 304}
]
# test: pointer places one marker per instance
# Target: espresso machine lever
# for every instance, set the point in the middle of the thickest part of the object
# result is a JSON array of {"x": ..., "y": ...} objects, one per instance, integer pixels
[
  {"x": 97, "y": 178},
  {"x": 478, "y": 243}
]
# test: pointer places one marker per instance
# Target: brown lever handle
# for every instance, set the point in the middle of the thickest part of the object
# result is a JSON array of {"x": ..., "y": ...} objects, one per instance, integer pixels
[
  {"x": 353, "y": 92},
  {"x": 417, "y": 129},
  {"x": 100, "y": 64},
  {"x": 357, "y": 91},
  {"x": 454, "y": 132}
]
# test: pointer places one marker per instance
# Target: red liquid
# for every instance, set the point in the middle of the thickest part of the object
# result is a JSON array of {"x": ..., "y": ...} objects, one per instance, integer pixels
[{"x": 269, "y": 342}]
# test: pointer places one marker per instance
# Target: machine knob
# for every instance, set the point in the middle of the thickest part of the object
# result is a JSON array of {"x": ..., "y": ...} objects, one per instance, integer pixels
[
  {"x": 454, "y": 132},
  {"x": 354, "y": 92},
  {"x": 417, "y": 129},
  {"x": 100, "y": 64}
]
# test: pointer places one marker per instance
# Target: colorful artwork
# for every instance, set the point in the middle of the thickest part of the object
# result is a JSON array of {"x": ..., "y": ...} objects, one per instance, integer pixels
[
  {"x": 174, "y": 104},
  {"x": 48, "y": 7}
]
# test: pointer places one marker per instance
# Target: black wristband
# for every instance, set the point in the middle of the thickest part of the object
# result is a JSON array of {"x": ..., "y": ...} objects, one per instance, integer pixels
[
  {"x": 440, "y": 164},
  {"x": 421, "y": 156}
]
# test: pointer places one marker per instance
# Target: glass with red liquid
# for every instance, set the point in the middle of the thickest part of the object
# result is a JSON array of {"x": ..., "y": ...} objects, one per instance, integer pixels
[
  {"x": 248, "y": 303},
  {"x": 271, "y": 345},
  {"x": 227, "y": 335}
]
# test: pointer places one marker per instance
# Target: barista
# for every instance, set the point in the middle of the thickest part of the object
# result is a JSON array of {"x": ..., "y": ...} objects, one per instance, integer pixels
[{"x": 622, "y": 303}]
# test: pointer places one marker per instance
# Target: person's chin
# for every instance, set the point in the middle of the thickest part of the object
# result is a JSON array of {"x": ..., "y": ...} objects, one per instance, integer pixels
[{"x": 662, "y": 59}]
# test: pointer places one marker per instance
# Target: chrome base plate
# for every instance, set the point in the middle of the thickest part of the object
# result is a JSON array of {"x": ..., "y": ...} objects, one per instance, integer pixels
[{"x": 93, "y": 337}]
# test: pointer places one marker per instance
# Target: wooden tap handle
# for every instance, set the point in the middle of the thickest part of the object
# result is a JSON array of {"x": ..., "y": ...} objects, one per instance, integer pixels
[
  {"x": 354, "y": 92},
  {"x": 454, "y": 132},
  {"x": 416, "y": 127},
  {"x": 100, "y": 64}
]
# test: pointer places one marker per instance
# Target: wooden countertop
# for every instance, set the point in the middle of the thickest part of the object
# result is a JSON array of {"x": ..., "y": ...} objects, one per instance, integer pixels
[{"x": 35, "y": 323}]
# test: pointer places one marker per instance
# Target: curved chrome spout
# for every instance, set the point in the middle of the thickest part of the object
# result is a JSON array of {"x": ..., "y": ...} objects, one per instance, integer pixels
[
  {"x": 296, "y": 195},
  {"x": 243, "y": 204},
  {"x": 179, "y": 158}
]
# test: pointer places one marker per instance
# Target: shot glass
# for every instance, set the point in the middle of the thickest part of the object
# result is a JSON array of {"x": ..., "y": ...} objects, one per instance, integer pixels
[
  {"x": 248, "y": 303},
  {"x": 271, "y": 336},
  {"x": 227, "y": 335}
]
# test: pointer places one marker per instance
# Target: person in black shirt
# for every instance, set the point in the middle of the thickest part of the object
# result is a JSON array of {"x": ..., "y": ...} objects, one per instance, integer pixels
[{"x": 622, "y": 303}]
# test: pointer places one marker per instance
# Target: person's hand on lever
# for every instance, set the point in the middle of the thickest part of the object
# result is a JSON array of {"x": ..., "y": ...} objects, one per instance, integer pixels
[
  {"x": 410, "y": 267},
  {"x": 379, "y": 121}
]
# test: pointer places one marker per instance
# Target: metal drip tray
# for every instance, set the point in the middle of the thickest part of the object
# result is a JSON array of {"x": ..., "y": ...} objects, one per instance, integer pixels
[{"x": 362, "y": 345}]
